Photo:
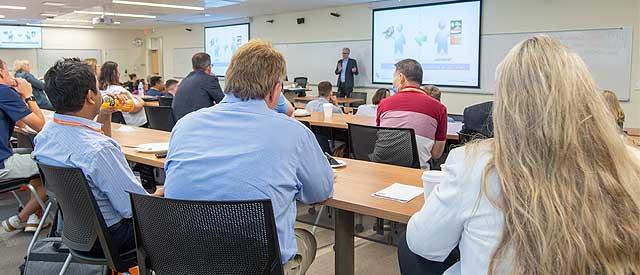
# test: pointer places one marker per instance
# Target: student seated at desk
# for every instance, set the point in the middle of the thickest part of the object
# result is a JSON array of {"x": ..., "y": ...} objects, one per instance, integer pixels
[
  {"x": 324, "y": 96},
  {"x": 156, "y": 87},
  {"x": 109, "y": 84},
  {"x": 433, "y": 91},
  {"x": 171, "y": 87},
  {"x": 18, "y": 106},
  {"x": 613, "y": 104},
  {"x": 372, "y": 109},
  {"x": 412, "y": 108},
  {"x": 240, "y": 149},
  {"x": 555, "y": 192},
  {"x": 74, "y": 139}
]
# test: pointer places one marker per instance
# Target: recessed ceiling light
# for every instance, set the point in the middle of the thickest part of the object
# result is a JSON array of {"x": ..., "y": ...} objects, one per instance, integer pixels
[
  {"x": 68, "y": 20},
  {"x": 48, "y": 14},
  {"x": 55, "y": 4},
  {"x": 12, "y": 7},
  {"x": 157, "y": 5},
  {"x": 61, "y": 26},
  {"x": 116, "y": 14},
  {"x": 116, "y": 22},
  {"x": 2, "y": 16}
]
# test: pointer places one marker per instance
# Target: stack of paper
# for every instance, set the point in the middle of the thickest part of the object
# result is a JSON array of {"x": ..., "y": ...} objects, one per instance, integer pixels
[{"x": 399, "y": 192}]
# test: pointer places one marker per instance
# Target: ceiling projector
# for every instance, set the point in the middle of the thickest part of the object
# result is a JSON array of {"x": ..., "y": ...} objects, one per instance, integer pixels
[{"x": 102, "y": 20}]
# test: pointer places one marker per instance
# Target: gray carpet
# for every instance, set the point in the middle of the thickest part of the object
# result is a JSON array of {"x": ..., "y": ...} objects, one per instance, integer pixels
[{"x": 372, "y": 258}]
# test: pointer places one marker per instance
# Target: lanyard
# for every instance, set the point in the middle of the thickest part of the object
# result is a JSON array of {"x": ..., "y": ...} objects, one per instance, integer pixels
[{"x": 75, "y": 124}]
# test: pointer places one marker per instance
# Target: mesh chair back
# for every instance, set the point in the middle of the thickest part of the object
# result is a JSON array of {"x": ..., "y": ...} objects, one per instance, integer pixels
[
  {"x": 160, "y": 117},
  {"x": 83, "y": 221},
  {"x": 301, "y": 81},
  {"x": 359, "y": 95},
  {"x": 205, "y": 237},
  {"x": 396, "y": 146},
  {"x": 117, "y": 117},
  {"x": 25, "y": 140},
  {"x": 165, "y": 101},
  {"x": 465, "y": 138}
]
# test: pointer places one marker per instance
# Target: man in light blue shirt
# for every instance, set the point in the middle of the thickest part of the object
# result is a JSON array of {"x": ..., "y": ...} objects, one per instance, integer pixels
[
  {"x": 324, "y": 92},
  {"x": 73, "y": 139},
  {"x": 240, "y": 149}
]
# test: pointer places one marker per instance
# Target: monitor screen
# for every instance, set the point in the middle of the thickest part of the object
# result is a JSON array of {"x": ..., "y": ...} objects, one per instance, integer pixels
[
  {"x": 20, "y": 37},
  {"x": 443, "y": 37},
  {"x": 222, "y": 42}
]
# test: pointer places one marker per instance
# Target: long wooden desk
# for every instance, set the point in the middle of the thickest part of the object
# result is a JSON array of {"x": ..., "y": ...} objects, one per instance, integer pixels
[
  {"x": 341, "y": 100},
  {"x": 340, "y": 122},
  {"x": 633, "y": 131}
]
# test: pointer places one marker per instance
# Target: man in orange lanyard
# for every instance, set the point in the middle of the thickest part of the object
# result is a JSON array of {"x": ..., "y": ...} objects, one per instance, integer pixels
[
  {"x": 74, "y": 139},
  {"x": 18, "y": 107}
]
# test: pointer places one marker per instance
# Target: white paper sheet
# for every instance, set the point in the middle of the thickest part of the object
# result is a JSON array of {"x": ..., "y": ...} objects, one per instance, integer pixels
[{"x": 399, "y": 192}]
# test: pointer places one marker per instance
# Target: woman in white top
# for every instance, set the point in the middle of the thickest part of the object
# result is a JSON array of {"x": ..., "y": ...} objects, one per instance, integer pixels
[
  {"x": 557, "y": 191},
  {"x": 371, "y": 109},
  {"x": 110, "y": 84}
]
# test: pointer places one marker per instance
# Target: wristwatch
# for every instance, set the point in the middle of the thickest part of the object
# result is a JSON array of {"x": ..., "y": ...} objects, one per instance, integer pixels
[{"x": 31, "y": 98}]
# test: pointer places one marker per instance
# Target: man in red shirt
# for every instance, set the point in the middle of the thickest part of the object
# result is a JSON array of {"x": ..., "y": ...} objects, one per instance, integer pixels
[{"x": 412, "y": 108}]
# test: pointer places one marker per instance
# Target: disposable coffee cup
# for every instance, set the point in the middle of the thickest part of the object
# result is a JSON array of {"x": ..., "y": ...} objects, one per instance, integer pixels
[
  {"x": 430, "y": 179},
  {"x": 328, "y": 110}
]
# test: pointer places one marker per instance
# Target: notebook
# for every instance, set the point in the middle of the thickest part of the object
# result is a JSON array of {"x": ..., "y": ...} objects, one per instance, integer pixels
[{"x": 399, "y": 192}]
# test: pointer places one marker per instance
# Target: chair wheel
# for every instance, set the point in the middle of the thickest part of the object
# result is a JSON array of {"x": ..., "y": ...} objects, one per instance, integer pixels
[
  {"x": 359, "y": 228},
  {"x": 312, "y": 211}
]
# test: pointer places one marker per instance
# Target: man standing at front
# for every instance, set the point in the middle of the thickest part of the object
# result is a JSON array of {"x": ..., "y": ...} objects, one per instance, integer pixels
[
  {"x": 346, "y": 69},
  {"x": 240, "y": 149}
]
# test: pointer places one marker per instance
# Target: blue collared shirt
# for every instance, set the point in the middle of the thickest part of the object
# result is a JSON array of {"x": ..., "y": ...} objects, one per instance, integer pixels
[
  {"x": 345, "y": 62},
  {"x": 99, "y": 157},
  {"x": 242, "y": 150},
  {"x": 282, "y": 106},
  {"x": 316, "y": 105}
]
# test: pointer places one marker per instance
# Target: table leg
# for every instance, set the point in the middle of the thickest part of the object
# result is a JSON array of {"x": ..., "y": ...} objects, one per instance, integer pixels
[{"x": 344, "y": 242}]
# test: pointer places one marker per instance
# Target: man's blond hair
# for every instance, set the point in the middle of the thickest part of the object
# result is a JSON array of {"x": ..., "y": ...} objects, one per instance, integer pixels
[{"x": 255, "y": 69}]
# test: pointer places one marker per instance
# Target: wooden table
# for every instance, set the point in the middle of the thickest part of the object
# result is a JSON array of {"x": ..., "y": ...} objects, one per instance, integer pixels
[
  {"x": 353, "y": 187},
  {"x": 341, "y": 100},
  {"x": 633, "y": 131},
  {"x": 154, "y": 103},
  {"x": 340, "y": 122}
]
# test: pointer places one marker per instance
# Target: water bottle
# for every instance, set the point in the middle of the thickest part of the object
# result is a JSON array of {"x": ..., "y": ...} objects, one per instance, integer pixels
[{"x": 140, "y": 89}]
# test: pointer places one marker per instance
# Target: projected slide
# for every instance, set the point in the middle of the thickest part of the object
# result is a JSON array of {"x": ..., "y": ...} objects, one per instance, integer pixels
[
  {"x": 444, "y": 38},
  {"x": 14, "y": 37},
  {"x": 222, "y": 42}
]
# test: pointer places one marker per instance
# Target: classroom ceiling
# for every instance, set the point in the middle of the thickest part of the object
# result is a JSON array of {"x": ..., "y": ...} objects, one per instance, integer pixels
[{"x": 81, "y": 12}]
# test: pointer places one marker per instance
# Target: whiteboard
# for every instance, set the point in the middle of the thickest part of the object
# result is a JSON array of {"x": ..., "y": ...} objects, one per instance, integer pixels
[
  {"x": 120, "y": 56},
  {"x": 317, "y": 60},
  {"x": 48, "y": 57},
  {"x": 607, "y": 52},
  {"x": 182, "y": 61}
]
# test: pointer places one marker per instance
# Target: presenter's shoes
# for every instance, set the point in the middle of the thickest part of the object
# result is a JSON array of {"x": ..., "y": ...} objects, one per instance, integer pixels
[{"x": 33, "y": 222}]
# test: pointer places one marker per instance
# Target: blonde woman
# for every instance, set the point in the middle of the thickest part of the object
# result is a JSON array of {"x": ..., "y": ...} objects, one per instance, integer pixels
[
  {"x": 23, "y": 70},
  {"x": 555, "y": 192},
  {"x": 614, "y": 106}
]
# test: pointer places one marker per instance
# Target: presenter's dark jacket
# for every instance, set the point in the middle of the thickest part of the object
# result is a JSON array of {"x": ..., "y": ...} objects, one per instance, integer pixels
[
  {"x": 348, "y": 77},
  {"x": 196, "y": 91}
]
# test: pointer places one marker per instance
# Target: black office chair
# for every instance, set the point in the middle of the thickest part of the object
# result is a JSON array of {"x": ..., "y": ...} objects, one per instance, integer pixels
[
  {"x": 117, "y": 117},
  {"x": 83, "y": 223},
  {"x": 165, "y": 101},
  {"x": 205, "y": 237},
  {"x": 160, "y": 117},
  {"x": 468, "y": 137},
  {"x": 301, "y": 81},
  {"x": 396, "y": 146},
  {"x": 359, "y": 95}
]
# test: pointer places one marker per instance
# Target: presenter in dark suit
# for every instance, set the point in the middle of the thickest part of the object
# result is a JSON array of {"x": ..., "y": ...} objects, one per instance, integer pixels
[
  {"x": 200, "y": 89},
  {"x": 346, "y": 69}
]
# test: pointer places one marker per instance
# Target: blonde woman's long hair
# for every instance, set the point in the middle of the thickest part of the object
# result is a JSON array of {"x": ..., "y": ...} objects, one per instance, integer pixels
[
  {"x": 570, "y": 188},
  {"x": 18, "y": 65}
]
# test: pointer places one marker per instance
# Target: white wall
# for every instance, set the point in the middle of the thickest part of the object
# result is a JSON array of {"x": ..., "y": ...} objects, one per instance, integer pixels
[
  {"x": 103, "y": 39},
  {"x": 499, "y": 16}
]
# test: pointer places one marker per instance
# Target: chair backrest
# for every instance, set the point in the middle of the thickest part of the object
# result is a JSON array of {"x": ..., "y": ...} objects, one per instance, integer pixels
[
  {"x": 359, "y": 95},
  {"x": 205, "y": 237},
  {"x": 83, "y": 222},
  {"x": 396, "y": 146},
  {"x": 468, "y": 137},
  {"x": 25, "y": 140},
  {"x": 117, "y": 117},
  {"x": 301, "y": 81},
  {"x": 160, "y": 117},
  {"x": 165, "y": 101}
]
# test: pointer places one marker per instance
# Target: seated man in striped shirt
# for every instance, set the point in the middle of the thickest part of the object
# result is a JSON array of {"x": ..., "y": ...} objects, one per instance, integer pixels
[
  {"x": 74, "y": 139},
  {"x": 413, "y": 108}
]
